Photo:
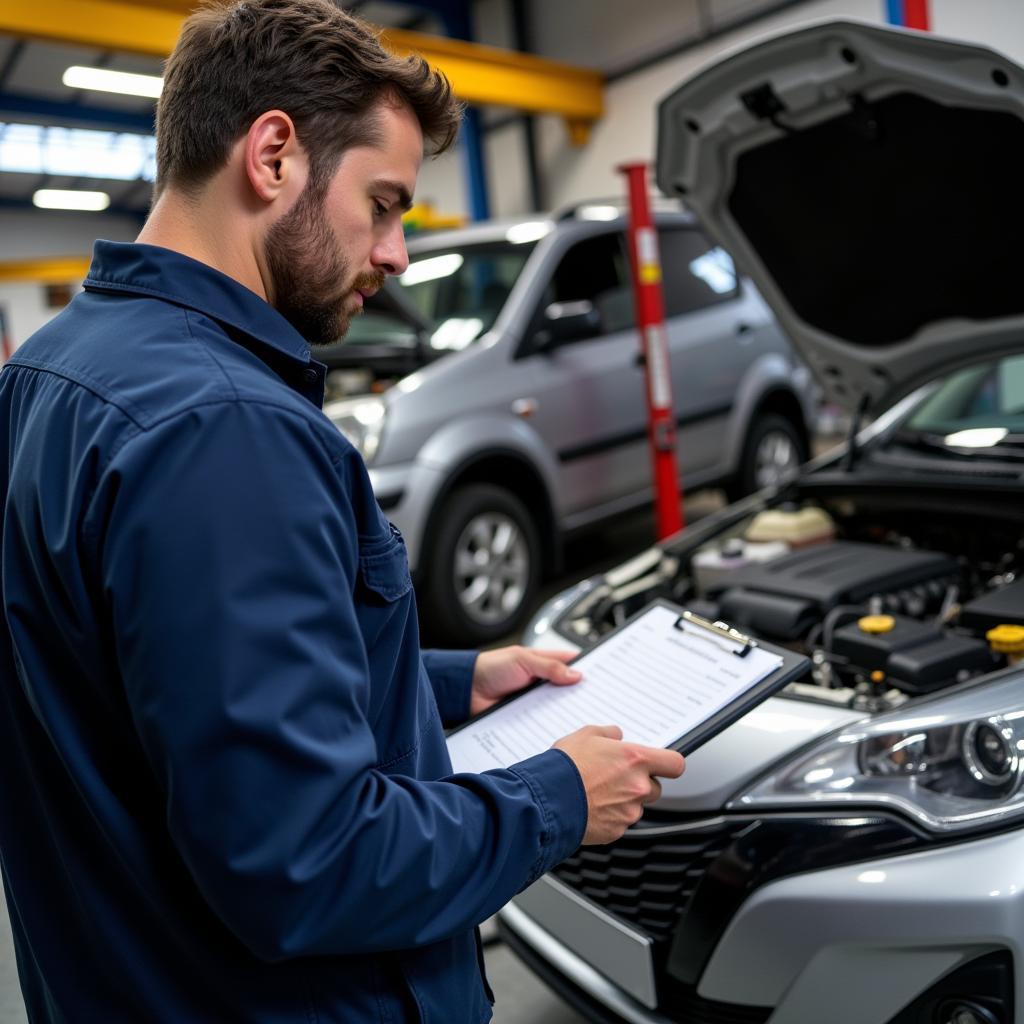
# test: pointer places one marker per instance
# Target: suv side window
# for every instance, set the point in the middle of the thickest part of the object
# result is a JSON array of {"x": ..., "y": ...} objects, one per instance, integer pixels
[
  {"x": 696, "y": 273},
  {"x": 596, "y": 270}
]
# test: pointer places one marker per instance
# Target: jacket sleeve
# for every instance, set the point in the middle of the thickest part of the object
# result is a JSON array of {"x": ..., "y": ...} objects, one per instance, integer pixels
[
  {"x": 229, "y": 553},
  {"x": 451, "y": 677}
]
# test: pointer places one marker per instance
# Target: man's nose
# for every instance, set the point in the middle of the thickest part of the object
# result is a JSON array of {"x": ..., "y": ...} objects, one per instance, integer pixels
[{"x": 391, "y": 255}]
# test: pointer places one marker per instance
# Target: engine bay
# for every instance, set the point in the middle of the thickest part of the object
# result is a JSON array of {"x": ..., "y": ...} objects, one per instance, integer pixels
[{"x": 888, "y": 603}]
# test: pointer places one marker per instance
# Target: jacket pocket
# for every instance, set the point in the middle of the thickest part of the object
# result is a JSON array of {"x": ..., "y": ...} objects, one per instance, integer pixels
[{"x": 384, "y": 566}]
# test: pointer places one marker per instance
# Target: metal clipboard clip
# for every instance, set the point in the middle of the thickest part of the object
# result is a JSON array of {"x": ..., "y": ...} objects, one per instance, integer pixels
[{"x": 722, "y": 630}]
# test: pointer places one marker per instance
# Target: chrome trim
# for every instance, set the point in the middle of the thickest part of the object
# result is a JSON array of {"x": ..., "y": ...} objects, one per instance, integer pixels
[{"x": 575, "y": 969}]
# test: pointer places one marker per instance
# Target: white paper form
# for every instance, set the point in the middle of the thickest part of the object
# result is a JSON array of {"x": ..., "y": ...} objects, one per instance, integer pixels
[{"x": 652, "y": 680}]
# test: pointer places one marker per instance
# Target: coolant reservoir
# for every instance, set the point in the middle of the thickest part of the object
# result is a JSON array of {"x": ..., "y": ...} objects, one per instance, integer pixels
[
  {"x": 797, "y": 527},
  {"x": 712, "y": 564}
]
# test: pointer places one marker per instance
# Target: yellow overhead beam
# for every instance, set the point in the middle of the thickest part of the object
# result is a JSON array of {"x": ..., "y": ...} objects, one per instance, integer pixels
[
  {"x": 46, "y": 271},
  {"x": 479, "y": 74}
]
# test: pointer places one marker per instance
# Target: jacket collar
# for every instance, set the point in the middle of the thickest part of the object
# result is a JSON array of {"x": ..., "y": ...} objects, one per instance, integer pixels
[{"x": 150, "y": 270}]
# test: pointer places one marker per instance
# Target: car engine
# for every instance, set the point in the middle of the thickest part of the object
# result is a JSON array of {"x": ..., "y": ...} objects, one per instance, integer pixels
[{"x": 887, "y": 609}]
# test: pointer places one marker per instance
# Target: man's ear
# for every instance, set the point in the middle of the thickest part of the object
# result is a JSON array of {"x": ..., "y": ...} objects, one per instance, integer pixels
[{"x": 275, "y": 163}]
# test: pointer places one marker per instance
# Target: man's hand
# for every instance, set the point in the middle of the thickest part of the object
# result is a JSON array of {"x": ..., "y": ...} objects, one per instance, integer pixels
[
  {"x": 618, "y": 778},
  {"x": 508, "y": 669}
]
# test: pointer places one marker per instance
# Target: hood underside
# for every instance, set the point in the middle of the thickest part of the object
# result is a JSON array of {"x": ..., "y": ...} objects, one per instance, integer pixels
[{"x": 868, "y": 180}]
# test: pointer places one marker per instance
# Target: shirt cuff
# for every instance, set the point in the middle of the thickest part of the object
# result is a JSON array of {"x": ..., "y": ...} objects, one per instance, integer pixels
[
  {"x": 557, "y": 787},
  {"x": 451, "y": 677}
]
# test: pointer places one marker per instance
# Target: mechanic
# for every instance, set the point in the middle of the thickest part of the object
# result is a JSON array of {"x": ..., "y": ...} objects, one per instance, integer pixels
[{"x": 227, "y": 795}]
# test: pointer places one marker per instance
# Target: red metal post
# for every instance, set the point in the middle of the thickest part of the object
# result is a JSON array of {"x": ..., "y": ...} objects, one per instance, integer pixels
[{"x": 650, "y": 319}]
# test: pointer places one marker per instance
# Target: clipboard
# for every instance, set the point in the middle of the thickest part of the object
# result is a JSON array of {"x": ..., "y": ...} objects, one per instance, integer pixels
[{"x": 721, "y": 638}]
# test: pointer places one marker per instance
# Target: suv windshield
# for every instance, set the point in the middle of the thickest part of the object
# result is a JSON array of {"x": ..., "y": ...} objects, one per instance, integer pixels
[
  {"x": 459, "y": 290},
  {"x": 978, "y": 409}
]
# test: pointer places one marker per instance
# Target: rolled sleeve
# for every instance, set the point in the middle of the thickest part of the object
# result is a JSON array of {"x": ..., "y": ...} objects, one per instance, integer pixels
[{"x": 557, "y": 786}]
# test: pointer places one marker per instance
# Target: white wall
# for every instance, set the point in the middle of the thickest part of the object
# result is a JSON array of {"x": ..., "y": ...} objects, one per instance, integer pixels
[
  {"x": 34, "y": 234},
  {"x": 995, "y": 23}
]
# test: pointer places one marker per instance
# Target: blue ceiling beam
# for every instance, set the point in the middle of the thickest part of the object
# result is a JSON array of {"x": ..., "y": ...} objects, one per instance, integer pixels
[
  {"x": 459, "y": 25},
  {"x": 66, "y": 113}
]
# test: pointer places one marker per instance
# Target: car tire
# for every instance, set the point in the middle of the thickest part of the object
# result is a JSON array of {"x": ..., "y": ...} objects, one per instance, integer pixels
[
  {"x": 774, "y": 447},
  {"x": 482, "y": 567}
]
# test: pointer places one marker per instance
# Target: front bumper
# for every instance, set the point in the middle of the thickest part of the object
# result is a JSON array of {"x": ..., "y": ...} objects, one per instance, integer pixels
[{"x": 851, "y": 944}]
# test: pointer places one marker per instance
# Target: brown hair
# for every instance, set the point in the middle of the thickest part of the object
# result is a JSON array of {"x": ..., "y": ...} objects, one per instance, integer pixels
[{"x": 321, "y": 66}]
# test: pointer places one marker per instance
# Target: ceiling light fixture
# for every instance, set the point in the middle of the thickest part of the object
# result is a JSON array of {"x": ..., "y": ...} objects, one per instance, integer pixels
[
  {"x": 102, "y": 80},
  {"x": 66, "y": 199}
]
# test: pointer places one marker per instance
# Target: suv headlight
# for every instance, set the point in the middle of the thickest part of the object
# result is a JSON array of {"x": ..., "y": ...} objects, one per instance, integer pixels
[
  {"x": 953, "y": 763},
  {"x": 361, "y": 420}
]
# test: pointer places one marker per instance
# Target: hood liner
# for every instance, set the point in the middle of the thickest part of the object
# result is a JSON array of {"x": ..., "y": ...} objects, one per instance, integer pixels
[{"x": 867, "y": 180}]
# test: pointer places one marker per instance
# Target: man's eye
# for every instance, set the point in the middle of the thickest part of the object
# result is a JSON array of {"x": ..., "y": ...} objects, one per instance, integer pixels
[{"x": 379, "y": 208}]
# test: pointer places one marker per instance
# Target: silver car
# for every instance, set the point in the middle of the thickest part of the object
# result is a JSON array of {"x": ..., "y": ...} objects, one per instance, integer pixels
[
  {"x": 852, "y": 851},
  {"x": 497, "y": 396}
]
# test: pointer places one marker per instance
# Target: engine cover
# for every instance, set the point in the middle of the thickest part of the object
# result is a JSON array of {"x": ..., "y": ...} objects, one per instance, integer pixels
[{"x": 845, "y": 572}]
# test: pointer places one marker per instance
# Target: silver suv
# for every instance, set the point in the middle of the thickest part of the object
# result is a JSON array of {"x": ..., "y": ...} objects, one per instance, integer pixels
[{"x": 497, "y": 395}]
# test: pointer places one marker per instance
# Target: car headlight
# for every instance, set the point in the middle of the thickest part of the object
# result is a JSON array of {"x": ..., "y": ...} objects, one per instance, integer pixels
[
  {"x": 953, "y": 763},
  {"x": 361, "y": 420}
]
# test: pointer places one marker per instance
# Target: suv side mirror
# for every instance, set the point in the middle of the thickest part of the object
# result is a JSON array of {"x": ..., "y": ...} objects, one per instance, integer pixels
[{"x": 567, "y": 321}]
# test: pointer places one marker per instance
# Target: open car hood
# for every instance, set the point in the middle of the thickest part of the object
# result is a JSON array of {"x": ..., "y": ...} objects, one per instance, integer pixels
[{"x": 868, "y": 180}]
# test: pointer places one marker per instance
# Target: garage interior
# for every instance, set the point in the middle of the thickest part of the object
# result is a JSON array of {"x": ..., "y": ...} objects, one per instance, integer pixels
[{"x": 559, "y": 96}]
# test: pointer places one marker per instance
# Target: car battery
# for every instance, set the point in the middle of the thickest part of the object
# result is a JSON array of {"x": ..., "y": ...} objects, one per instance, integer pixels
[
  {"x": 1004, "y": 606},
  {"x": 937, "y": 663},
  {"x": 869, "y": 642}
]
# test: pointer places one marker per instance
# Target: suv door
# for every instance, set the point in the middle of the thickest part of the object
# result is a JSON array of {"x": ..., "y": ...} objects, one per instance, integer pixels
[
  {"x": 710, "y": 342},
  {"x": 588, "y": 391}
]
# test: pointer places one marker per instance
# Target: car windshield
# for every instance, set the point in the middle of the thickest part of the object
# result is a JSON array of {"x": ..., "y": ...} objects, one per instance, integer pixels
[
  {"x": 977, "y": 410},
  {"x": 458, "y": 290}
]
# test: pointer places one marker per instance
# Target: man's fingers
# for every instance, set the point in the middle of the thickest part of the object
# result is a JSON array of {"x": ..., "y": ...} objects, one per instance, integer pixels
[
  {"x": 552, "y": 665},
  {"x": 669, "y": 764},
  {"x": 611, "y": 732},
  {"x": 655, "y": 792}
]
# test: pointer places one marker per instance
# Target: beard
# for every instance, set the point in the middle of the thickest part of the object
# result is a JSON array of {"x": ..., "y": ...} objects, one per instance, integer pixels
[{"x": 309, "y": 272}]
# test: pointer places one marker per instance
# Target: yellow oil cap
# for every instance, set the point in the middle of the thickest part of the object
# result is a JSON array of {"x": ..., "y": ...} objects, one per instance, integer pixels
[
  {"x": 1006, "y": 639},
  {"x": 878, "y": 676},
  {"x": 877, "y": 624}
]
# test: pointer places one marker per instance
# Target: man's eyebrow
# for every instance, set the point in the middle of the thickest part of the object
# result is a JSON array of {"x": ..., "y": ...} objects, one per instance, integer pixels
[{"x": 404, "y": 195}]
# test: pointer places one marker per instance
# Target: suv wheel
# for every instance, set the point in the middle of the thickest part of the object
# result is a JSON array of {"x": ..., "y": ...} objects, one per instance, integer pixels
[
  {"x": 483, "y": 567},
  {"x": 774, "y": 448}
]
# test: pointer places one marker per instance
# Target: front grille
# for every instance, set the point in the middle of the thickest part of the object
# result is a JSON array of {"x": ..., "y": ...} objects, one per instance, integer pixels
[{"x": 647, "y": 877}]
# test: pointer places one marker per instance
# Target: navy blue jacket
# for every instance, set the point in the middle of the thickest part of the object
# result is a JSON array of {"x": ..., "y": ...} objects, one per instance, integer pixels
[{"x": 226, "y": 793}]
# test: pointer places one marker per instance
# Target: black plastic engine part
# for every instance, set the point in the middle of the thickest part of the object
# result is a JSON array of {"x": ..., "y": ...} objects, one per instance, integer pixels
[
  {"x": 844, "y": 572},
  {"x": 871, "y": 651},
  {"x": 785, "y": 618},
  {"x": 705, "y": 609},
  {"x": 1005, "y": 605},
  {"x": 929, "y": 666}
]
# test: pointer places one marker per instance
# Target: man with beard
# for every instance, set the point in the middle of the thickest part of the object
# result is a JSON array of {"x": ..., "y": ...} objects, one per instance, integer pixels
[{"x": 227, "y": 795}]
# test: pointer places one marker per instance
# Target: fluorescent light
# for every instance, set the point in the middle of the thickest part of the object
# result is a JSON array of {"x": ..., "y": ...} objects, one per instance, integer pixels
[
  {"x": 64, "y": 199},
  {"x": 431, "y": 269},
  {"x": 977, "y": 437},
  {"x": 598, "y": 212},
  {"x": 528, "y": 231},
  {"x": 102, "y": 80}
]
